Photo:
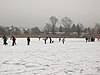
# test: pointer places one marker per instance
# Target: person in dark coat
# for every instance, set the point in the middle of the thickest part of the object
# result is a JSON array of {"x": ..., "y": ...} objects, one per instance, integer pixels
[
  {"x": 50, "y": 39},
  {"x": 45, "y": 40},
  {"x": 63, "y": 40},
  {"x": 5, "y": 40},
  {"x": 92, "y": 39},
  {"x": 86, "y": 39},
  {"x": 59, "y": 39},
  {"x": 28, "y": 40},
  {"x": 13, "y": 40}
]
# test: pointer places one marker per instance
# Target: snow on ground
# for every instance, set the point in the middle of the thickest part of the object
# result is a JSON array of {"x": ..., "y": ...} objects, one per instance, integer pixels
[{"x": 75, "y": 57}]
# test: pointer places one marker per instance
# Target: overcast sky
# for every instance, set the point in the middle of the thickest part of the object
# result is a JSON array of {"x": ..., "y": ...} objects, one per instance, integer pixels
[{"x": 30, "y": 13}]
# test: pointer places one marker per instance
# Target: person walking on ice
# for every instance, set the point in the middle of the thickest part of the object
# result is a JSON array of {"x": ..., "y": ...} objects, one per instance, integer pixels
[
  {"x": 50, "y": 39},
  {"x": 63, "y": 40},
  {"x": 4, "y": 40},
  {"x": 86, "y": 38},
  {"x": 59, "y": 39},
  {"x": 28, "y": 40},
  {"x": 13, "y": 40},
  {"x": 45, "y": 40}
]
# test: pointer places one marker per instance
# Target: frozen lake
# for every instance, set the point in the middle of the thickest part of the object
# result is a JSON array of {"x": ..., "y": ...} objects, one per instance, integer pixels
[{"x": 75, "y": 57}]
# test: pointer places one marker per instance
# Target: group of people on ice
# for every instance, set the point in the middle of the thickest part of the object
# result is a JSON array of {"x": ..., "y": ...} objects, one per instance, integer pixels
[
  {"x": 62, "y": 39},
  {"x": 5, "y": 38},
  {"x": 46, "y": 38},
  {"x": 89, "y": 39},
  {"x": 51, "y": 41},
  {"x": 13, "y": 38}
]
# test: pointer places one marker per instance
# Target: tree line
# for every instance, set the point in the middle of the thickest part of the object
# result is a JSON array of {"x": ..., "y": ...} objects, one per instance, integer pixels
[{"x": 64, "y": 27}]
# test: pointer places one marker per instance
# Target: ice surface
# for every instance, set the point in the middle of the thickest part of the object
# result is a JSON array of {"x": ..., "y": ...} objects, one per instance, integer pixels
[{"x": 75, "y": 57}]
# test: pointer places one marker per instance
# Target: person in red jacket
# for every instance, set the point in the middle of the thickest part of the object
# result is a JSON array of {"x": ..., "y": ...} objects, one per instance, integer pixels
[{"x": 14, "y": 40}]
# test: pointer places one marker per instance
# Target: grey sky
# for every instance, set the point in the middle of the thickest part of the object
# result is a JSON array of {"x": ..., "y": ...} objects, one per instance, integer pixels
[{"x": 30, "y": 13}]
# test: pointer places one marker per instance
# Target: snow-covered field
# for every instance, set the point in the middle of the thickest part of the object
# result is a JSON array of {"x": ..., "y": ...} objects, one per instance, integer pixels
[{"x": 75, "y": 57}]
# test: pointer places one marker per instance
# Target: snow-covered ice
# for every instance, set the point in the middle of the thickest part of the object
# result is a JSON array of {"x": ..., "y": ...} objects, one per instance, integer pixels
[{"x": 75, "y": 57}]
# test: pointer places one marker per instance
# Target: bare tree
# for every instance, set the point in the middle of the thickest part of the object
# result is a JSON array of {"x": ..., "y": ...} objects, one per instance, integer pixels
[
  {"x": 97, "y": 28},
  {"x": 35, "y": 30},
  {"x": 16, "y": 30},
  {"x": 2, "y": 31},
  {"x": 73, "y": 28},
  {"x": 53, "y": 20},
  {"x": 61, "y": 29},
  {"x": 47, "y": 28},
  {"x": 89, "y": 31},
  {"x": 26, "y": 31},
  {"x": 79, "y": 28},
  {"x": 67, "y": 23}
]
